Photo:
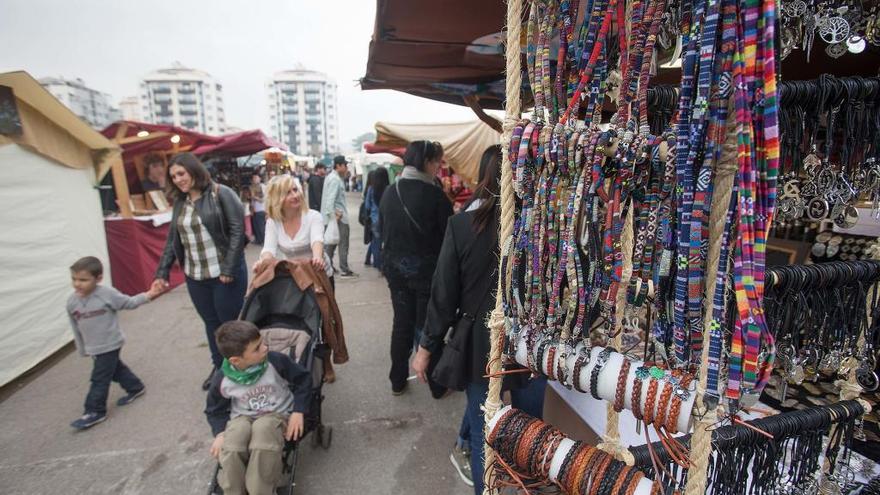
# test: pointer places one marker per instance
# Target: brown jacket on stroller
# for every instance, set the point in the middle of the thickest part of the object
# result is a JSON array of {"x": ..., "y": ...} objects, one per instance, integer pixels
[{"x": 306, "y": 275}]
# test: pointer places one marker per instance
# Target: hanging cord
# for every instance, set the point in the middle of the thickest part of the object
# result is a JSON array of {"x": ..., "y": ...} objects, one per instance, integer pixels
[{"x": 513, "y": 109}]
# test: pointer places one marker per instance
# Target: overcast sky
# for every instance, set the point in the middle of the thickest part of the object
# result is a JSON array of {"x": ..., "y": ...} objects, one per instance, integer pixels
[{"x": 111, "y": 44}]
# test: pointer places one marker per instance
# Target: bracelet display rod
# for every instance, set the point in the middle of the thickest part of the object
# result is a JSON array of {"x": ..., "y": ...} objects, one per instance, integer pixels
[{"x": 660, "y": 397}]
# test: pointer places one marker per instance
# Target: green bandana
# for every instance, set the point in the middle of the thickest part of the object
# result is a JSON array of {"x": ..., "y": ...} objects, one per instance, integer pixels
[{"x": 244, "y": 377}]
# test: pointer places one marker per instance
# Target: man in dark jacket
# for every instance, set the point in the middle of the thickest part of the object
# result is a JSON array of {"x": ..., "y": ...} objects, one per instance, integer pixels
[{"x": 316, "y": 186}]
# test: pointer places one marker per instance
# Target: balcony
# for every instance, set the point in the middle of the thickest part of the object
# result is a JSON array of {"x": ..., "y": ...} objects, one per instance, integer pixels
[
  {"x": 161, "y": 90},
  {"x": 189, "y": 111},
  {"x": 186, "y": 100},
  {"x": 186, "y": 90}
]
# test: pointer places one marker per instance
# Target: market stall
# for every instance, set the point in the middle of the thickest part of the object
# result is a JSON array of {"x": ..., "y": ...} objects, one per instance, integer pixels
[
  {"x": 50, "y": 164},
  {"x": 463, "y": 142},
  {"x": 637, "y": 247}
]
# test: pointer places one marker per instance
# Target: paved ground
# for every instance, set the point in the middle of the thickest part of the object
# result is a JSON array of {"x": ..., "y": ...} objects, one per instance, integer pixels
[{"x": 159, "y": 444}]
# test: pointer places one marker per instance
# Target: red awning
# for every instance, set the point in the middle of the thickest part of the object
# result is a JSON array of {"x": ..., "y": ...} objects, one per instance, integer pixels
[
  {"x": 239, "y": 144},
  {"x": 157, "y": 139}
]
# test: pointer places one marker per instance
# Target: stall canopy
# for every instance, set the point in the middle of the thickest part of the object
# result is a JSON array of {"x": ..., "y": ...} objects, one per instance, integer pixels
[
  {"x": 439, "y": 50},
  {"x": 239, "y": 144},
  {"x": 50, "y": 163},
  {"x": 463, "y": 142},
  {"x": 139, "y": 137}
]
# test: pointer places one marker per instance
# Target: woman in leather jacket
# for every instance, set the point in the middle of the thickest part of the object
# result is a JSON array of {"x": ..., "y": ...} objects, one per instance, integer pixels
[{"x": 206, "y": 238}]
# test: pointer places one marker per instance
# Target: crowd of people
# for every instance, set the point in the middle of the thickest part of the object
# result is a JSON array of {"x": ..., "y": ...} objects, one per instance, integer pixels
[{"x": 440, "y": 268}]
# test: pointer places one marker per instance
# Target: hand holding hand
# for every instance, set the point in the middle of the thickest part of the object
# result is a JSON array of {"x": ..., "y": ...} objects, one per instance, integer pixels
[
  {"x": 159, "y": 285},
  {"x": 294, "y": 426},
  {"x": 216, "y": 445},
  {"x": 154, "y": 291},
  {"x": 420, "y": 363},
  {"x": 225, "y": 279}
]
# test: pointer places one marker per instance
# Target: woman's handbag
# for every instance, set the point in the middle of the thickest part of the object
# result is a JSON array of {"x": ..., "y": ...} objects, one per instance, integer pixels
[
  {"x": 331, "y": 234},
  {"x": 453, "y": 368}
]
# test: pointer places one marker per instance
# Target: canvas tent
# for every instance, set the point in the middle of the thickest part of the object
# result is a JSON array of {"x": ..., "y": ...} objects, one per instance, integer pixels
[
  {"x": 50, "y": 164},
  {"x": 463, "y": 142}
]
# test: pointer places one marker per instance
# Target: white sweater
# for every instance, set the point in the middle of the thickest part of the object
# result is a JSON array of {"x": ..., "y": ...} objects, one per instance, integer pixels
[{"x": 282, "y": 246}]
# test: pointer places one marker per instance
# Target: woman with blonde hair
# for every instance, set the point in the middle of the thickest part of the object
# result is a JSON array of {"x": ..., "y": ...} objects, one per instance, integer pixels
[{"x": 293, "y": 231}]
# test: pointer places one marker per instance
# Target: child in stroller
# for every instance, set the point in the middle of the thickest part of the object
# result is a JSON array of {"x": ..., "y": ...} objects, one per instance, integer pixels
[{"x": 288, "y": 321}]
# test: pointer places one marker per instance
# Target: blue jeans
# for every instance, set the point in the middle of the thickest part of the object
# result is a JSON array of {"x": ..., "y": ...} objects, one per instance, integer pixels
[
  {"x": 217, "y": 303},
  {"x": 258, "y": 223},
  {"x": 106, "y": 368},
  {"x": 529, "y": 400},
  {"x": 374, "y": 252}
]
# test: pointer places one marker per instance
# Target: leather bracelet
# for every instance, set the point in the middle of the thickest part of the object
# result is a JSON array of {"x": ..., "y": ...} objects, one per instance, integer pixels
[
  {"x": 600, "y": 474},
  {"x": 609, "y": 479},
  {"x": 679, "y": 395},
  {"x": 583, "y": 358},
  {"x": 561, "y": 367},
  {"x": 587, "y": 477},
  {"x": 621, "y": 384},
  {"x": 633, "y": 482},
  {"x": 663, "y": 405},
  {"x": 587, "y": 454},
  {"x": 568, "y": 464},
  {"x": 549, "y": 365},
  {"x": 622, "y": 476},
  {"x": 601, "y": 361},
  {"x": 636, "y": 399},
  {"x": 648, "y": 413}
]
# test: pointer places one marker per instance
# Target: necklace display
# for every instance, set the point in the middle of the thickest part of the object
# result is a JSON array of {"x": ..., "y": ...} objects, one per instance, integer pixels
[
  {"x": 845, "y": 26},
  {"x": 614, "y": 219}
]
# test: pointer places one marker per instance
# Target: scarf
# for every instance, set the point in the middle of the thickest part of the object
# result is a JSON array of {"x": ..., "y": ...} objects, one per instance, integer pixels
[
  {"x": 410, "y": 172},
  {"x": 247, "y": 376}
]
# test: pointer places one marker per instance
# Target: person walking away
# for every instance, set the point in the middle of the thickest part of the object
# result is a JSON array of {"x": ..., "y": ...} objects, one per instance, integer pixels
[
  {"x": 258, "y": 208},
  {"x": 206, "y": 238},
  {"x": 316, "y": 186},
  {"x": 463, "y": 288},
  {"x": 334, "y": 209},
  {"x": 378, "y": 182},
  {"x": 255, "y": 404},
  {"x": 93, "y": 309},
  {"x": 413, "y": 215}
]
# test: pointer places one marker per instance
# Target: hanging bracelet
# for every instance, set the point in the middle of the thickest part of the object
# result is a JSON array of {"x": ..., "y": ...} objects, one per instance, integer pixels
[
  {"x": 679, "y": 395},
  {"x": 582, "y": 359},
  {"x": 601, "y": 361},
  {"x": 636, "y": 399},
  {"x": 621, "y": 384},
  {"x": 663, "y": 405},
  {"x": 648, "y": 413}
]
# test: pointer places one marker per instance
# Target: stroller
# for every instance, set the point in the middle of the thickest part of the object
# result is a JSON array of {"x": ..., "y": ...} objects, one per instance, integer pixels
[{"x": 290, "y": 321}]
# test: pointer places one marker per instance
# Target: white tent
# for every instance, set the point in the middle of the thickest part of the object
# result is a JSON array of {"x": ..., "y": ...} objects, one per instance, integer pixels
[{"x": 51, "y": 216}]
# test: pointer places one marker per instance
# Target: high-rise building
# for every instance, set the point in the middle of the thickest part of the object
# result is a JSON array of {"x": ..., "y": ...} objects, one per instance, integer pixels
[
  {"x": 184, "y": 97},
  {"x": 88, "y": 104},
  {"x": 130, "y": 107},
  {"x": 303, "y": 111}
]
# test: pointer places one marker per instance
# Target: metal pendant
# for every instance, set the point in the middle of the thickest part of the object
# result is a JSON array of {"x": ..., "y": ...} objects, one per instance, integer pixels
[
  {"x": 834, "y": 30},
  {"x": 817, "y": 209},
  {"x": 867, "y": 379},
  {"x": 796, "y": 8},
  {"x": 836, "y": 50},
  {"x": 856, "y": 44},
  {"x": 818, "y": 250},
  {"x": 847, "y": 218}
]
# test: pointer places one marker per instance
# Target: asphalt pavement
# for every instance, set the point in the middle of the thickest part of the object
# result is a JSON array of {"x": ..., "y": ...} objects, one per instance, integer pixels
[{"x": 159, "y": 445}]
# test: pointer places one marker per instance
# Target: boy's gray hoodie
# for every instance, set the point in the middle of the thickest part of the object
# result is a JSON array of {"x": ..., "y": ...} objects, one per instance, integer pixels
[{"x": 94, "y": 320}]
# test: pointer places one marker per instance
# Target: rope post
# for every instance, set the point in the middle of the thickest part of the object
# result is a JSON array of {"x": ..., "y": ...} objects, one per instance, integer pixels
[
  {"x": 701, "y": 440},
  {"x": 611, "y": 440},
  {"x": 513, "y": 110}
]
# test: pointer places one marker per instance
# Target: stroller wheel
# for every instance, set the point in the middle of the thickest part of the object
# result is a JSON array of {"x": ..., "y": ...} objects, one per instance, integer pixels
[
  {"x": 327, "y": 437},
  {"x": 316, "y": 437}
]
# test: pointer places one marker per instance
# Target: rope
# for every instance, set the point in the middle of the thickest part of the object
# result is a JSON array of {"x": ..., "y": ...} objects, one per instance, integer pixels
[
  {"x": 701, "y": 441},
  {"x": 611, "y": 440},
  {"x": 512, "y": 115}
]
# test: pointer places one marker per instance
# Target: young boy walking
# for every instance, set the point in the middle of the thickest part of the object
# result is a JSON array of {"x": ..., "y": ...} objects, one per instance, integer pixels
[
  {"x": 253, "y": 405},
  {"x": 92, "y": 310}
]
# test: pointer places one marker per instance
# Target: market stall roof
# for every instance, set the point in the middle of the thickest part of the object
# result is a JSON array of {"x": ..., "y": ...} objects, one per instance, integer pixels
[
  {"x": 463, "y": 142},
  {"x": 239, "y": 144},
  {"x": 139, "y": 137},
  {"x": 439, "y": 50},
  {"x": 42, "y": 116}
]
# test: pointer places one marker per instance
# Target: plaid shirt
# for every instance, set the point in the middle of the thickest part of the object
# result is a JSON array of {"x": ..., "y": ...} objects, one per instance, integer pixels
[{"x": 202, "y": 260}]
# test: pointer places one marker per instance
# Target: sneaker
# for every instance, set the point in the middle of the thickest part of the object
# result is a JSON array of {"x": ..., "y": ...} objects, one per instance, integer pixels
[
  {"x": 130, "y": 397},
  {"x": 461, "y": 460},
  {"x": 348, "y": 274},
  {"x": 88, "y": 420}
]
